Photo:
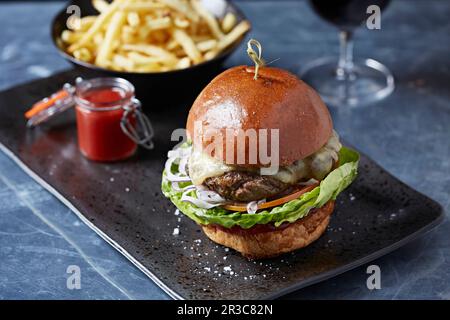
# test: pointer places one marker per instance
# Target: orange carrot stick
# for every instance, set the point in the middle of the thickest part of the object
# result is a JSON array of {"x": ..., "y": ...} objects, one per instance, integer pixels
[{"x": 273, "y": 203}]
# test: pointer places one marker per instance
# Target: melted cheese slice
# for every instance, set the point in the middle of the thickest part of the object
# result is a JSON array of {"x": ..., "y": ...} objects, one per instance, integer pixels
[
  {"x": 317, "y": 165},
  {"x": 202, "y": 166}
]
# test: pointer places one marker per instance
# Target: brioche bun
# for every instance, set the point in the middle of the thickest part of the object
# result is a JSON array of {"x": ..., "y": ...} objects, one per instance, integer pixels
[
  {"x": 277, "y": 99},
  {"x": 254, "y": 244}
]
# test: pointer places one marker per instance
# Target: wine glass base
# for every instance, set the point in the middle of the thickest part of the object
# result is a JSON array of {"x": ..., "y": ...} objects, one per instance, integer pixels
[{"x": 372, "y": 81}]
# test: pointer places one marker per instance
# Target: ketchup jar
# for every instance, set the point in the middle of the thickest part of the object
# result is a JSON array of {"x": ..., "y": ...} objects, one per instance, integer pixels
[{"x": 110, "y": 122}]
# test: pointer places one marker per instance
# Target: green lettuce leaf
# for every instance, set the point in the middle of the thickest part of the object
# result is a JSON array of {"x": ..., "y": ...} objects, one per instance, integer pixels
[{"x": 329, "y": 188}]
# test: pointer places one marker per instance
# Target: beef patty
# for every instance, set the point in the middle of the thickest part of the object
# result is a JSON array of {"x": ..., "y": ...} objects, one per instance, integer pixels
[{"x": 243, "y": 186}]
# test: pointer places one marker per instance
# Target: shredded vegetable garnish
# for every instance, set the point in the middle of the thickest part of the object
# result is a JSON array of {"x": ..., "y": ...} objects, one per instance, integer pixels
[
  {"x": 287, "y": 209},
  {"x": 174, "y": 177},
  {"x": 186, "y": 197},
  {"x": 204, "y": 198},
  {"x": 197, "y": 195},
  {"x": 210, "y": 196}
]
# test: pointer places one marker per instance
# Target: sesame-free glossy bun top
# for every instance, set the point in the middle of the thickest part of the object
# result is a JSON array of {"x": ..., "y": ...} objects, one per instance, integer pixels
[{"x": 277, "y": 99}]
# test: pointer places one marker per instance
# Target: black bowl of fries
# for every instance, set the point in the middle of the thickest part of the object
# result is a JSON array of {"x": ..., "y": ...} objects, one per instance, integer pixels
[{"x": 169, "y": 49}]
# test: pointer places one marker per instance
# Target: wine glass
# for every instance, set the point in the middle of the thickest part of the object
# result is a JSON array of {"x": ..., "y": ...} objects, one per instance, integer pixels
[{"x": 346, "y": 81}]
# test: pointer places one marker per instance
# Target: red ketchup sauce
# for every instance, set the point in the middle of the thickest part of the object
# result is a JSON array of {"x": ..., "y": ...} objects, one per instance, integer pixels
[{"x": 100, "y": 137}]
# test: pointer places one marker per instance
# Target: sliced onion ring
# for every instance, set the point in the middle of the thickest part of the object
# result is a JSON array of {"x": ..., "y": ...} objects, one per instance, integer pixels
[
  {"x": 252, "y": 207},
  {"x": 176, "y": 187},
  {"x": 171, "y": 176},
  {"x": 199, "y": 203},
  {"x": 210, "y": 196},
  {"x": 182, "y": 165},
  {"x": 179, "y": 152}
]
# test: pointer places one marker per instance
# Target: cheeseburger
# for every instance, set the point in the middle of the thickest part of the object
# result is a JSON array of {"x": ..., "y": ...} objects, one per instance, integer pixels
[{"x": 262, "y": 165}]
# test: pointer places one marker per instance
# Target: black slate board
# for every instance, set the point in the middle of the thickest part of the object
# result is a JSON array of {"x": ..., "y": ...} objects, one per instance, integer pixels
[{"x": 123, "y": 203}]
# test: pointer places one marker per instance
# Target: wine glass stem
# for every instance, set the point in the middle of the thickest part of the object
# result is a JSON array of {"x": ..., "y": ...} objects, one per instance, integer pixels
[{"x": 344, "y": 69}]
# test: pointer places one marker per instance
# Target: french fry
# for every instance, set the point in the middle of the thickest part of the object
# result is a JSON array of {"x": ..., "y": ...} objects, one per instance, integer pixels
[
  {"x": 151, "y": 50},
  {"x": 70, "y": 37},
  {"x": 148, "y": 69},
  {"x": 206, "y": 45},
  {"x": 100, "y": 5},
  {"x": 141, "y": 6},
  {"x": 188, "y": 45},
  {"x": 98, "y": 39},
  {"x": 209, "y": 18},
  {"x": 133, "y": 19},
  {"x": 152, "y": 68},
  {"x": 86, "y": 23},
  {"x": 159, "y": 23},
  {"x": 183, "y": 63},
  {"x": 143, "y": 33},
  {"x": 179, "y": 52},
  {"x": 96, "y": 27},
  {"x": 115, "y": 44},
  {"x": 123, "y": 62},
  {"x": 83, "y": 54},
  {"x": 181, "y": 23},
  {"x": 210, "y": 54},
  {"x": 112, "y": 34},
  {"x": 141, "y": 59},
  {"x": 200, "y": 38},
  {"x": 172, "y": 44},
  {"x": 143, "y": 62},
  {"x": 183, "y": 8},
  {"x": 228, "y": 22},
  {"x": 128, "y": 34},
  {"x": 233, "y": 35}
]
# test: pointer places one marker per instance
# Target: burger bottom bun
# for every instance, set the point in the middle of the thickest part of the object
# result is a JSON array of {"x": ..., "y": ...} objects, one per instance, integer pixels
[{"x": 272, "y": 243}]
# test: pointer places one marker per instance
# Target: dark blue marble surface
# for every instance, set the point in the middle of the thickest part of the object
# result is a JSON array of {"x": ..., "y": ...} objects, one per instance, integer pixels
[{"x": 408, "y": 134}]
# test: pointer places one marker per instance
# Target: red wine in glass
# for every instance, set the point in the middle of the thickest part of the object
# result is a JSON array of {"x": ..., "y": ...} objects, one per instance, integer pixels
[
  {"x": 346, "y": 14},
  {"x": 346, "y": 81}
]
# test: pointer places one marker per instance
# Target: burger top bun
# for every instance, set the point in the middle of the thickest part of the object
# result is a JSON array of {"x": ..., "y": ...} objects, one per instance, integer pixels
[{"x": 277, "y": 99}]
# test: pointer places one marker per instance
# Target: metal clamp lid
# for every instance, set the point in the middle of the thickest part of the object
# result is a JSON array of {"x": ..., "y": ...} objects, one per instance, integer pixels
[
  {"x": 142, "y": 134},
  {"x": 48, "y": 107}
]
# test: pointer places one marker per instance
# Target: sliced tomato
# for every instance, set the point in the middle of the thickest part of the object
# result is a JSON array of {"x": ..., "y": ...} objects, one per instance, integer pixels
[{"x": 242, "y": 207}]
